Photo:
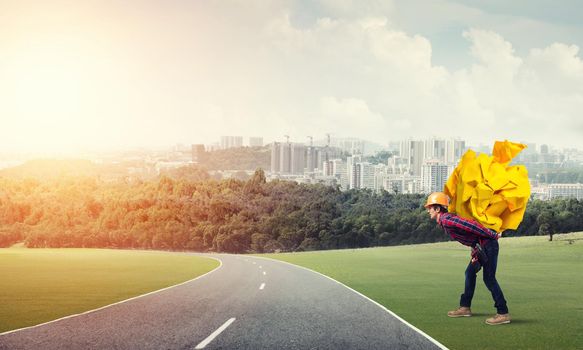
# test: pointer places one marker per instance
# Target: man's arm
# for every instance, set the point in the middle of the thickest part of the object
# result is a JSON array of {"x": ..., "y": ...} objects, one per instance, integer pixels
[{"x": 470, "y": 226}]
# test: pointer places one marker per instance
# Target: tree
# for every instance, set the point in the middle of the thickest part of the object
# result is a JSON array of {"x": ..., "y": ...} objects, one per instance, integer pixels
[
  {"x": 259, "y": 241},
  {"x": 256, "y": 182},
  {"x": 230, "y": 215},
  {"x": 309, "y": 244},
  {"x": 545, "y": 220}
]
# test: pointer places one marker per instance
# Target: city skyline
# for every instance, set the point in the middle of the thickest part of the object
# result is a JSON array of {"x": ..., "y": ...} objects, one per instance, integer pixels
[
  {"x": 410, "y": 166},
  {"x": 252, "y": 141},
  {"x": 188, "y": 72}
]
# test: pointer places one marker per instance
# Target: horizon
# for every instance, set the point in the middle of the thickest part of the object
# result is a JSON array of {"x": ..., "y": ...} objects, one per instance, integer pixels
[{"x": 22, "y": 155}]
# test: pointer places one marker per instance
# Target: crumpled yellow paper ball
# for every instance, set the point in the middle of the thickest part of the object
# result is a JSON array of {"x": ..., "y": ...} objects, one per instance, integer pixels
[{"x": 486, "y": 189}]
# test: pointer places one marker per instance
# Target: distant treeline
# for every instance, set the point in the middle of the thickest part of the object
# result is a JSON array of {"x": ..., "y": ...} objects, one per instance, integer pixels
[
  {"x": 555, "y": 175},
  {"x": 570, "y": 176},
  {"x": 229, "y": 215}
]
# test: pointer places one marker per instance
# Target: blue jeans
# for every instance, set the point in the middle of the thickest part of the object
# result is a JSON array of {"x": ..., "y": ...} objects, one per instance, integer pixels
[{"x": 489, "y": 274}]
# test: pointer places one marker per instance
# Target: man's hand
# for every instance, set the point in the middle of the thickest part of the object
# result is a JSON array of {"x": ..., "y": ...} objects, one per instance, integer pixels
[
  {"x": 476, "y": 264},
  {"x": 480, "y": 254}
]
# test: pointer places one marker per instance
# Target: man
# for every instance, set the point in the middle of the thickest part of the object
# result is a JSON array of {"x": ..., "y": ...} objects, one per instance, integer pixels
[{"x": 484, "y": 243}]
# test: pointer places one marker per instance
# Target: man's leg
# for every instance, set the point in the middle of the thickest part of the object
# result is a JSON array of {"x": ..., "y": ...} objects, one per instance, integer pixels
[
  {"x": 466, "y": 298},
  {"x": 490, "y": 277},
  {"x": 470, "y": 286}
]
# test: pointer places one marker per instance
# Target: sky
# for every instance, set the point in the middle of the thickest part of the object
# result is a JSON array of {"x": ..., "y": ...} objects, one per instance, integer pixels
[{"x": 102, "y": 75}]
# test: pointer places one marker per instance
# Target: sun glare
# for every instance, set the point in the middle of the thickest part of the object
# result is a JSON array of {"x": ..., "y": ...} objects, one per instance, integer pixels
[{"x": 48, "y": 97}]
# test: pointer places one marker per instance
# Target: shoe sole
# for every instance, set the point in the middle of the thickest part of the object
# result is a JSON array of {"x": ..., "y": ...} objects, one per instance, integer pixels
[
  {"x": 497, "y": 323},
  {"x": 456, "y": 316}
]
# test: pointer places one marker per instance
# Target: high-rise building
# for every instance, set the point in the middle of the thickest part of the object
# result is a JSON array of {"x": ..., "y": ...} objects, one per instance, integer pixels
[
  {"x": 434, "y": 149},
  {"x": 413, "y": 152},
  {"x": 350, "y": 145},
  {"x": 340, "y": 172},
  {"x": 530, "y": 148},
  {"x": 328, "y": 153},
  {"x": 366, "y": 175},
  {"x": 363, "y": 175},
  {"x": 298, "y": 158},
  {"x": 327, "y": 168},
  {"x": 434, "y": 175},
  {"x": 454, "y": 149},
  {"x": 350, "y": 170},
  {"x": 380, "y": 174},
  {"x": 288, "y": 158},
  {"x": 256, "y": 142},
  {"x": 529, "y": 154},
  {"x": 396, "y": 165},
  {"x": 285, "y": 158},
  {"x": 275, "y": 157},
  {"x": 403, "y": 183},
  {"x": 198, "y": 153},
  {"x": 231, "y": 142},
  {"x": 313, "y": 158},
  {"x": 356, "y": 176}
]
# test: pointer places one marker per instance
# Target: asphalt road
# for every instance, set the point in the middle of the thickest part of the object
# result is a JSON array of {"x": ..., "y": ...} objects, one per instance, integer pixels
[{"x": 247, "y": 303}]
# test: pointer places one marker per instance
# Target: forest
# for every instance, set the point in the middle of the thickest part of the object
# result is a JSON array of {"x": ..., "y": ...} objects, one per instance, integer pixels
[{"x": 197, "y": 213}]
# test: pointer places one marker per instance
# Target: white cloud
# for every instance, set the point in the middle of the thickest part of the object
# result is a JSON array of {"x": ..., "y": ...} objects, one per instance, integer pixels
[
  {"x": 362, "y": 60},
  {"x": 558, "y": 67},
  {"x": 350, "y": 115},
  {"x": 491, "y": 50},
  {"x": 501, "y": 95},
  {"x": 356, "y": 8},
  {"x": 534, "y": 98}
]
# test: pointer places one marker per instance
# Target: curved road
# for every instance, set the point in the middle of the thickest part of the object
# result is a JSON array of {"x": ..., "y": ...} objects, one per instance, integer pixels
[{"x": 246, "y": 303}]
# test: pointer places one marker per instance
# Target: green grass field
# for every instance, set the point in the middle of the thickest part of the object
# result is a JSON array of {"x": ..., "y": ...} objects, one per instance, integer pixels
[
  {"x": 542, "y": 282},
  {"x": 39, "y": 285}
]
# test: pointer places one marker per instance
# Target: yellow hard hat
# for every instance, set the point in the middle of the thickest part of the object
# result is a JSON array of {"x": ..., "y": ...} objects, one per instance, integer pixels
[{"x": 438, "y": 198}]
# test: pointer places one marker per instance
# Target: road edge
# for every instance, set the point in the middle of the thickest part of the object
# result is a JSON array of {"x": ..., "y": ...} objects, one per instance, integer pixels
[
  {"x": 435, "y": 342},
  {"x": 121, "y": 301}
]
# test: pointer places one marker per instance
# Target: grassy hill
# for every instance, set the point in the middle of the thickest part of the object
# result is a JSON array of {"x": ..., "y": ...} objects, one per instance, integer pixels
[
  {"x": 40, "y": 285},
  {"x": 240, "y": 158},
  {"x": 542, "y": 282}
]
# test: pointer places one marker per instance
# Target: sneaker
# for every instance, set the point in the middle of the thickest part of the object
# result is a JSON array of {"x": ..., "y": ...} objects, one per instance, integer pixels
[
  {"x": 498, "y": 319},
  {"x": 462, "y": 311}
]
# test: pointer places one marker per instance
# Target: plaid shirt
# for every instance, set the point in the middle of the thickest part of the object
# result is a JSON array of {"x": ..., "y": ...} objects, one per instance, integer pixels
[{"x": 467, "y": 232}]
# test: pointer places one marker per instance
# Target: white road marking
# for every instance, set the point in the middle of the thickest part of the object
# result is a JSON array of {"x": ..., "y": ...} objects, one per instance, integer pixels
[
  {"x": 264, "y": 273},
  {"x": 210, "y": 338},
  {"x": 262, "y": 286}
]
